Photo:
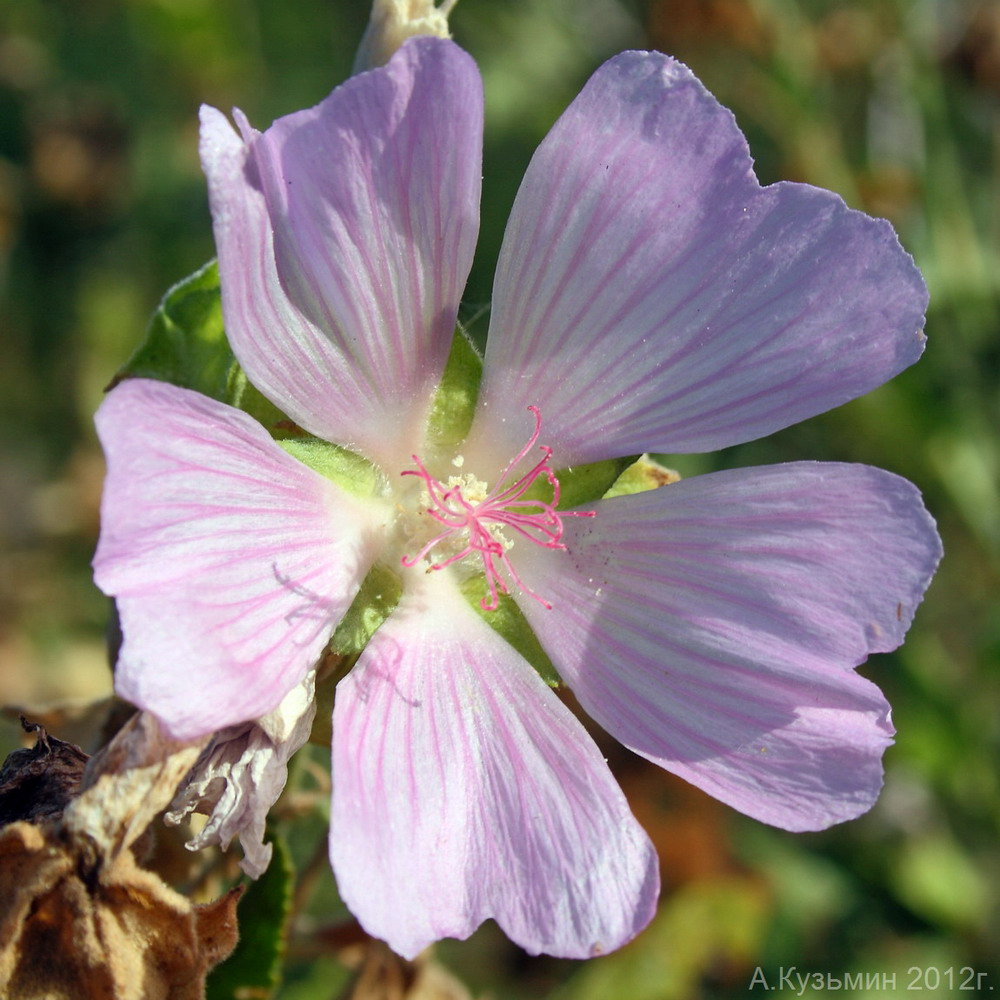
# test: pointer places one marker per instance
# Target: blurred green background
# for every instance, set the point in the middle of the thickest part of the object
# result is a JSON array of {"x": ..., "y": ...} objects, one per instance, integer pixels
[{"x": 895, "y": 104}]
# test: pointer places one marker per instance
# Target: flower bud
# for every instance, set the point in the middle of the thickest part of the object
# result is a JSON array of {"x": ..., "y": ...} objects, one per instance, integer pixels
[{"x": 392, "y": 22}]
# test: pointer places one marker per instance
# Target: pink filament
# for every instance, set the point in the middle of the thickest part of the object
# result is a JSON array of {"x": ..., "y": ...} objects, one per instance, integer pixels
[{"x": 535, "y": 520}]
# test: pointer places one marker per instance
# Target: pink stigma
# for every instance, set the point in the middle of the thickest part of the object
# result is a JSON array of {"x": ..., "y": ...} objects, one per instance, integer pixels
[{"x": 535, "y": 520}]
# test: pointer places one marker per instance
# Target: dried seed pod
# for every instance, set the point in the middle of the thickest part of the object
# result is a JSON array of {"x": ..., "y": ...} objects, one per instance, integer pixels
[{"x": 37, "y": 783}]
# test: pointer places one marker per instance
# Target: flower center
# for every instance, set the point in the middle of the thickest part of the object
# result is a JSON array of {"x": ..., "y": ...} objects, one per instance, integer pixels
[{"x": 484, "y": 523}]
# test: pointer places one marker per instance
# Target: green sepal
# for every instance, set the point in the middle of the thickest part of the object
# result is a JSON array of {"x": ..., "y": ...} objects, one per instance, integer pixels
[
  {"x": 376, "y": 600},
  {"x": 614, "y": 477},
  {"x": 511, "y": 624},
  {"x": 346, "y": 468},
  {"x": 254, "y": 967},
  {"x": 643, "y": 474},
  {"x": 333, "y": 668},
  {"x": 585, "y": 483},
  {"x": 455, "y": 400}
]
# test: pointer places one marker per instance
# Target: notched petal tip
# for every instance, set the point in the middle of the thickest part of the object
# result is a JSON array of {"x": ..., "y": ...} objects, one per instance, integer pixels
[
  {"x": 659, "y": 299},
  {"x": 714, "y": 627},
  {"x": 492, "y": 803}
]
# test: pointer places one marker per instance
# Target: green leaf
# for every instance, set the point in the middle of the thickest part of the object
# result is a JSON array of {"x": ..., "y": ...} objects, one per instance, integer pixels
[
  {"x": 254, "y": 968},
  {"x": 185, "y": 342},
  {"x": 939, "y": 880},
  {"x": 186, "y": 345}
]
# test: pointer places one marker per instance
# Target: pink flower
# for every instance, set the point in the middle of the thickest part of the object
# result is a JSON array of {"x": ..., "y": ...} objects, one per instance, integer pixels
[{"x": 650, "y": 296}]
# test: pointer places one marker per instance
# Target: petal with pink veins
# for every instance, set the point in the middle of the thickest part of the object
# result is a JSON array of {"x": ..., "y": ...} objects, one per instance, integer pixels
[
  {"x": 231, "y": 562},
  {"x": 652, "y": 296},
  {"x": 712, "y": 626},
  {"x": 464, "y": 789},
  {"x": 345, "y": 234}
]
